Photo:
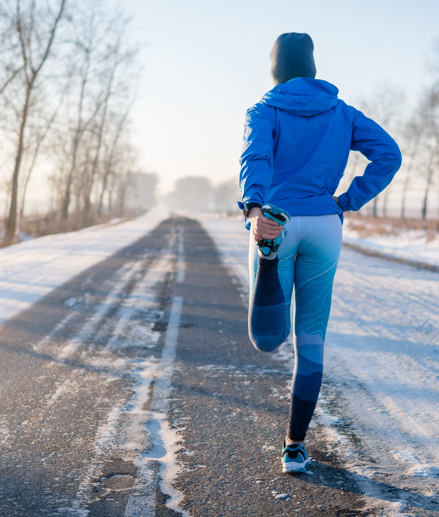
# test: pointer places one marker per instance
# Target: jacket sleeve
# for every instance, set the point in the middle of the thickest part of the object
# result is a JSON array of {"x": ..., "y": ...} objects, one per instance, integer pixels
[
  {"x": 257, "y": 155},
  {"x": 385, "y": 157}
]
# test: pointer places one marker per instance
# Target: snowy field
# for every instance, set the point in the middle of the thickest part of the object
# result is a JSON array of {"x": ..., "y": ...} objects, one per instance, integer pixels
[
  {"x": 381, "y": 379},
  {"x": 416, "y": 246},
  {"x": 31, "y": 269}
]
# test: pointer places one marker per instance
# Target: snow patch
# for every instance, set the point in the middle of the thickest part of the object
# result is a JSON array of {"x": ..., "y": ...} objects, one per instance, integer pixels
[
  {"x": 31, "y": 269},
  {"x": 411, "y": 245},
  {"x": 381, "y": 358}
]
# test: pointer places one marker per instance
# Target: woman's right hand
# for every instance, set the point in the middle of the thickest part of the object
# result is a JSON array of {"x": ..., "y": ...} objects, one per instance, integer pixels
[
  {"x": 262, "y": 227},
  {"x": 335, "y": 198}
]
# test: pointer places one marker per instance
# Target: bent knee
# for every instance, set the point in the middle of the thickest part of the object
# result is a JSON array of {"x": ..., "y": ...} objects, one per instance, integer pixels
[{"x": 266, "y": 343}]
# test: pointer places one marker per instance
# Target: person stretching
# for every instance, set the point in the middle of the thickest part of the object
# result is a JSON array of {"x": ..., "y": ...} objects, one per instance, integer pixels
[{"x": 297, "y": 140}]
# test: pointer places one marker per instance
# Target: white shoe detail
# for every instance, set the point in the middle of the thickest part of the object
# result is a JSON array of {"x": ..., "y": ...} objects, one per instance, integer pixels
[{"x": 293, "y": 466}]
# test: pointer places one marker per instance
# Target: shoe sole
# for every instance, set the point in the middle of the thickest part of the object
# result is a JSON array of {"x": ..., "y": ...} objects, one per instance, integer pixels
[{"x": 295, "y": 469}]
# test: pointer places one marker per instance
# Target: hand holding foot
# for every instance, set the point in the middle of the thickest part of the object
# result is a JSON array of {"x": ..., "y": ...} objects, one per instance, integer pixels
[{"x": 262, "y": 227}]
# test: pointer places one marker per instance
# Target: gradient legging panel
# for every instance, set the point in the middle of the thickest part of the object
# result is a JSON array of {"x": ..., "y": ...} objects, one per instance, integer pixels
[{"x": 308, "y": 259}]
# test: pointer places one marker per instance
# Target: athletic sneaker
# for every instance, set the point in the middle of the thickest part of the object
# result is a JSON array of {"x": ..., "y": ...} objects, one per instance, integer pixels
[
  {"x": 279, "y": 216},
  {"x": 294, "y": 458}
]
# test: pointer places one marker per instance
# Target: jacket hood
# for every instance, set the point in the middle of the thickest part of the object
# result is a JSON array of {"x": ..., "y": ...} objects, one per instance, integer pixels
[{"x": 303, "y": 96}]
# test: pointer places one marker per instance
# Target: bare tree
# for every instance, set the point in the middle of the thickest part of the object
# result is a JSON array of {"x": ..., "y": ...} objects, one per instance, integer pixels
[
  {"x": 109, "y": 162},
  {"x": 35, "y": 28},
  {"x": 193, "y": 193},
  {"x": 226, "y": 195},
  {"x": 41, "y": 137},
  {"x": 87, "y": 44},
  {"x": 428, "y": 159},
  {"x": 412, "y": 137},
  {"x": 68, "y": 80},
  {"x": 105, "y": 81},
  {"x": 119, "y": 56},
  {"x": 10, "y": 56},
  {"x": 385, "y": 107}
]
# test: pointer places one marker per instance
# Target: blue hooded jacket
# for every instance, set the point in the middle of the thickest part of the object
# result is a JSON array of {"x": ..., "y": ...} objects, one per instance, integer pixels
[{"x": 296, "y": 146}]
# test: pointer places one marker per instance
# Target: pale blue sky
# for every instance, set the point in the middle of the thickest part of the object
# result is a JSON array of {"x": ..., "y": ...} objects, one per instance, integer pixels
[{"x": 207, "y": 62}]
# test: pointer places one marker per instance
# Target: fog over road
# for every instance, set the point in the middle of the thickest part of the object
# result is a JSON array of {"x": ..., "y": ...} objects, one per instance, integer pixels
[{"x": 132, "y": 390}]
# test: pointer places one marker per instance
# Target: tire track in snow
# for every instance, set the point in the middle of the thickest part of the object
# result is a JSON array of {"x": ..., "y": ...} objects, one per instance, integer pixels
[
  {"x": 129, "y": 427},
  {"x": 70, "y": 411},
  {"x": 143, "y": 498},
  {"x": 115, "y": 290}
]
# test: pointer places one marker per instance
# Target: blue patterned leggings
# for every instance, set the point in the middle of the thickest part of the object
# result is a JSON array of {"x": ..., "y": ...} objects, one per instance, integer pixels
[{"x": 308, "y": 258}]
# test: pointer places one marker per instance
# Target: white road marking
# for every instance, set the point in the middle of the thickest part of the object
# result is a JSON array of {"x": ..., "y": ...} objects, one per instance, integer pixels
[
  {"x": 163, "y": 387},
  {"x": 181, "y": 264}
]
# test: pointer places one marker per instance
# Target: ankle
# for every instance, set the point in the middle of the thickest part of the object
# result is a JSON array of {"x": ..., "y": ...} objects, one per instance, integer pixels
[
  {"x": 272, "y": 255},
  {"x": 288, "y": 441}
]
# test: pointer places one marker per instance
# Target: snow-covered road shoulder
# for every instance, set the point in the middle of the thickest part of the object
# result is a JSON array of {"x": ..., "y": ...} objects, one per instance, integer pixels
[
  {"x": 415, "y": 247},
  {"x": 378, "y": 406},
  {"x": 31, "y": 269}
]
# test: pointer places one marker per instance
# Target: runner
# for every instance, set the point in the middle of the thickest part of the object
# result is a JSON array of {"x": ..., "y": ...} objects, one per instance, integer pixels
[{"x": 296, "y": 146}]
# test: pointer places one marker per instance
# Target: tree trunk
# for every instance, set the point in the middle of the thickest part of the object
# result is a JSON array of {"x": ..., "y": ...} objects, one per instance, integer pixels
[
  {"x": 122, "y": 202},
  {"x": 101, "y": 197},
  {"x": 427, "y": 188},
  {"x": 407, "y": 176},
  {"x": 80, "y": 127},
  {"x": 11, "y": 224},
  {"x": 354, "y": 167},
  {"x": 31, "y": 72},
  {"x": 404, "y": 193},
  {"x": 385, "y": 201},
  {"x": 110, "y": 160},
  {"x": 34, "y": 159},
  {"x": 424, "y": 204},
  {"x": 68, "y": 192},
  {"x": 375, "y": 207},
  {"x": 99, "y": 143}
]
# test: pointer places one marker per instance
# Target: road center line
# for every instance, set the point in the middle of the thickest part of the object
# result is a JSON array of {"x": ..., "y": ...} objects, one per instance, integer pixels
[{"x": 180, "y": 263}]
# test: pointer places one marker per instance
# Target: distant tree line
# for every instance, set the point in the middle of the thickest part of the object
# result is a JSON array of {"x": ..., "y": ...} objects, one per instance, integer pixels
[
  {"x": 68, "y": 81},
  {"x": 415, "y": 190},
  {"x": 198, "y": 193}
]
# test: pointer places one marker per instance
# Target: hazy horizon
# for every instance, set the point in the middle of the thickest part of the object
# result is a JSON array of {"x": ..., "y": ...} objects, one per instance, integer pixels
[{"x": 206, "y": 63}]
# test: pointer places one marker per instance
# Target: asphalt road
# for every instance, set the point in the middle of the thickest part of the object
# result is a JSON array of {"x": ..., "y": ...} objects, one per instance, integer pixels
[{"x": 133, "y": 390}]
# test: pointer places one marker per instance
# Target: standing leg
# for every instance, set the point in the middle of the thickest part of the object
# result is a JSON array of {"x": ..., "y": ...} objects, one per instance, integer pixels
[{"x": 316, "y": 263}]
